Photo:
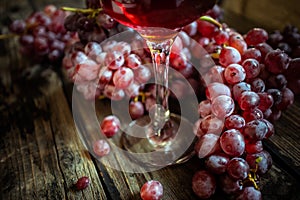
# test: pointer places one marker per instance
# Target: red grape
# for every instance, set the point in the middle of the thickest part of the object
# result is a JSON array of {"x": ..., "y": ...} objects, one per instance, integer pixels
[
  {"x": 235, "y": 122},
  {"x": 222, "y": 106},
  {"x": 101, "y": 148},
  {"x": 82, "y": 183},
  {"x": 229, "y": 55},
  {"x": 251, "y": 67},
  {"x": 232, "y": 142},
  {"x": 216, "y": 89},
  {"x": 152, "y": 190},
  {"x": 248, "y": 100},
  {"x": 256, "y": 36},
  {"x": 250, "y": 193},
  {"x": 203, "y": 184},
  {"x": 234, "y": 73},
  {"x": 217, "y": 163},
  {"x": 255, "y": 130},
  {"x": 277, "y": 61},
  {"x": 261, "y": 161},
  {"x": 206, "y": 145},
  {"x": 237, "y": 168},
  {"x": 110, "y": 125}
]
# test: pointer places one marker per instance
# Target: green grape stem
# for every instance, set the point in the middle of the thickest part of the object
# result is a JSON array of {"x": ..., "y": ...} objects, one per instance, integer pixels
[
  {"x": 89, "y": 11},
  {"x": 211, "y": 20},
  {"x": 7, "y": 36}
]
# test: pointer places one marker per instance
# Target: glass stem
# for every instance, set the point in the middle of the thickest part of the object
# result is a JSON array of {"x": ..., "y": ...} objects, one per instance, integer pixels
[{"x": 160, "y": 52}]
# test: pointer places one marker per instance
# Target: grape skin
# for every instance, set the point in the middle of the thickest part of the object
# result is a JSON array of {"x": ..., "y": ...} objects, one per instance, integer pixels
[
  {"x": 203, "y": 184},
  {"x": 152, "y": 190},
  {"x": 232, "y": 142}
]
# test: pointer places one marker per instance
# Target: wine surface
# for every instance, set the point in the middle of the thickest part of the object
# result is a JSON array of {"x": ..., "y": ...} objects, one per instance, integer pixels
[{"x": 169, "y": 14}]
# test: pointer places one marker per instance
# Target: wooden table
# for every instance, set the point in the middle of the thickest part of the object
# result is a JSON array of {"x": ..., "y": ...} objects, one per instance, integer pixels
[{"x": 42, "y": 155}]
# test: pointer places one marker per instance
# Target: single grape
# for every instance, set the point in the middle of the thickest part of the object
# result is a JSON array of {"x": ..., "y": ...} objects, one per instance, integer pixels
[
  {"x": 255, "y": 147},
  {"x": 266, "y": 101},
  {"x": 207, "y": 145},
  {"x": 261, "y": 161},
  {"x": 215, "y": 74},
  {"x": 123, "y": 47},
  {"x": 248, "y": 100},
  {"x": 217, "y": 163},
  {"x": 237, "y": 168},
  {"x": 287, "y": 99},
  {"x": 203, "y": 184},
  {"x": 253, "y": 114},
  {"x": 152, "y": 190},
  {"x": 123, "y": 77},
  {"x": 232, "y": 142},
  {"x": 142, "y": 74},
  {"x": 133, "y": 61},
  {"x": 237, "y": 41},
  {"x": 264, "y": 49},
  {"x": 276, "y": 95},
  {"x": 234, "y": 73},
  {"x": 255, "y": 130},
  {"x": 110, "y": 125},
  {"x": 249, "y": 193},
  {"x": 18, "y": 26},
  {"x": 229, "y": 185},
  {"x": 275, "y": 38},
  {"x": 212, "y": 124},
  {"x": 204, "y": 108},
  {"x": 205, "y": 28},
  {"x": 133, "y": 90},
  {"x": 239, "y": 88},
  {"x": 113, "y": 93},
  {"x": 274, "y": 115},
  {"x": 221, "y": 37},
  {"x": 114, "y": 60},
  {"x": 82, "y": 183},
  {"x": 251, "y": 67},
  {"x": 271, "y": 128},
  {"x": 256, "y": 36},
  {"x": 105, "y": 76},
  {"x": 252, "y": 53},
  {"x": 101, "y": 148},
  {"x": 235, "y": 122},
  {"x": 257, "y": 85},
  {"x": 229, "y": 55},
  {"x": 216, "y": 89},
  {"x": 293, "y": 70},
  {"x": 277, "y": 61},
  {"x": 136, "y": 109},
  {"x": 222, "y": 106}
]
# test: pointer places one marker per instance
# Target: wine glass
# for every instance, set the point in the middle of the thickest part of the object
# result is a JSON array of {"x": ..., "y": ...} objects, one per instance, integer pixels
[{"x": 158, "y": 22}]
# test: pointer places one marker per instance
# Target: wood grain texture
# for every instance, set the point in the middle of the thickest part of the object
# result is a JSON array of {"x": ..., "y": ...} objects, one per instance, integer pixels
[{"x": 43, "y": 151}]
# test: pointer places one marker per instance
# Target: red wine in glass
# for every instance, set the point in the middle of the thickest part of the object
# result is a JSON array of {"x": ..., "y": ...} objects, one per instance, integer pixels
[
  {"x": 156, "y": 13},
  {"x": 158, "y": 22}
]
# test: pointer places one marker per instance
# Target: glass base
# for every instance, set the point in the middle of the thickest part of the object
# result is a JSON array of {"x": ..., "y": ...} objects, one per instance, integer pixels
[{"x": 173, "y": 144}]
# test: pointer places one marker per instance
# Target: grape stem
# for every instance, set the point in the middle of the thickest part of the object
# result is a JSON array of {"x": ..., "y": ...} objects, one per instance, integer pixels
[
  {"x": 7, "y": 36},
  {"x": 89, "y": 11},
  {"x": 212, "y": 21}
]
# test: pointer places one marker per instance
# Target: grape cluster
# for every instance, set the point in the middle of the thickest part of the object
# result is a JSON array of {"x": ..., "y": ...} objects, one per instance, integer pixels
[
  {"x": 287, "y": 40},
  {"x": 91, "y": 24},
  {"x": 42, "y": 36},
  {"x": 246, "y": 90},
  {"x": 113, "y": 69}
]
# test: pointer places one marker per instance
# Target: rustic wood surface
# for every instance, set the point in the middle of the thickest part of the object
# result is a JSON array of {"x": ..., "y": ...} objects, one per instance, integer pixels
[{"x": 42, "y": 155}]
